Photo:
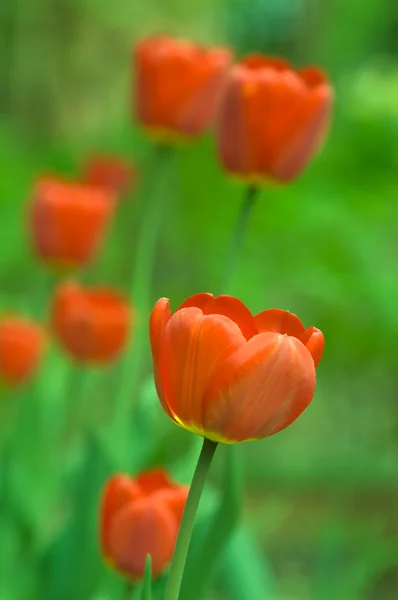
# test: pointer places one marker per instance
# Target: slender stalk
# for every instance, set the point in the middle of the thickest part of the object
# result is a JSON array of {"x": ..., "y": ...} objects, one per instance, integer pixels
[
  {"x": 146, "y": 590},
  {"x": 140, "y": 288},
  {"x": 238, "y": 237},
  {"x": 188, "y": 519}
]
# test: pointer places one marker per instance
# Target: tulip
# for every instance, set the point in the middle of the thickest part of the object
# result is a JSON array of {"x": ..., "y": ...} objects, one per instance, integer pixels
[
  {"x": 272, "y": 119},
  {"x": 178, "y": 85},
  {"x": 21, "y": 349},
  {"x": 68, "y": 221},
  {"x": 140, "y": 516},
  {"x": 230, "y": 376},
  {"x": 92, "y": 324},
  {"x": 113, "y": 173}
]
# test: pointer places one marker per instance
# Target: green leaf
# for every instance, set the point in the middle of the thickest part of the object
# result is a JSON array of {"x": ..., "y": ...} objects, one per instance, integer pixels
[
  {"x": 146, "y": 590},
  {"x": 244, "y": 573}
]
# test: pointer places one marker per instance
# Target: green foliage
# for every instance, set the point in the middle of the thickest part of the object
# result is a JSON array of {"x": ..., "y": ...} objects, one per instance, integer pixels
[{"x": 320, "y": 502}]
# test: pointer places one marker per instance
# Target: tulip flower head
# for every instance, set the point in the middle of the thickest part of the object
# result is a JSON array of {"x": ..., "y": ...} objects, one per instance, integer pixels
[
  {"x": 21, "y": 348},
  {"x": 230, "y": 376},
  {"x": 140, "y": 516},
  {"x": 178, "y": 84},
  {"x": 68, "y": 221},
  {"x": 112, "y": 173},
  {"x": 272, "y": 119},
  {"x": 92, "y": 324}
]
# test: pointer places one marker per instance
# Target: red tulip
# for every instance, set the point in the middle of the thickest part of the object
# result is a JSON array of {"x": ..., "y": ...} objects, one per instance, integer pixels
[
  {"x": 21, "y": 349},
  {"x": 272, "y": 118},
  {"x": 113, "y": 173},
  {"x": 230, "y": 376},
  {"x": 68, "y": 221},
  {"x": 178, "y": 85},
  {"x": 91, "y": 324},
  {"x": 140, "y": 516}
]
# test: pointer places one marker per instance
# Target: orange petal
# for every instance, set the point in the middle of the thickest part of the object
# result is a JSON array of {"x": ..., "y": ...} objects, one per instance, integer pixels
[
  {"x": 279, "y": 321},
  {"x": 231, "y": 138},
  {"x": 198, "y": 300},
  {"x": 193, "y": 346},
  {"x": 68, "y": 220},
  {"x": 260, "y": 389},
  {"x": 91, "y": 323},
  {"x": 154, "y": 480},
  {"x": 120, "y": 490},
  {"x": 22, "y": 345},
  {"x": 305, "y": 129},
  {"x": 176, "y": 499},
  {"x": 260, "y": 61},
  {"x": 146, "y": 527},
  {"x": 313, "y": 76},
  {"x": 314, "y": 341},
  {"x": 160, "y": 316},
  {"x": 225, "y": 305}
]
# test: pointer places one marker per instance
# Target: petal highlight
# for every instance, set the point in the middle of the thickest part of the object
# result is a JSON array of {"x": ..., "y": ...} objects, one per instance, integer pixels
[
  {"x": 259, "y": 390},
  {"x": 192, "y": 348}
]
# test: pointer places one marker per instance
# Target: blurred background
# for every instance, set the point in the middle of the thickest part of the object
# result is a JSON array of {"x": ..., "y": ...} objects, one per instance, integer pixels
[{"x": 321, "y": 497}]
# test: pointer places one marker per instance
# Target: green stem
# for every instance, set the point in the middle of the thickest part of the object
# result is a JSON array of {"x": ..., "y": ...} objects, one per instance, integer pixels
[
  {"x": 188, "y": 519},
  {"x": 238, "y": 237},
  {"x": 140, "y": 288}
]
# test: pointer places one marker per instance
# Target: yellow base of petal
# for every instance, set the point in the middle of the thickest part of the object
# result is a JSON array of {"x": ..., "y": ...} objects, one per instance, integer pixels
[{"x": 214, "y": 436}]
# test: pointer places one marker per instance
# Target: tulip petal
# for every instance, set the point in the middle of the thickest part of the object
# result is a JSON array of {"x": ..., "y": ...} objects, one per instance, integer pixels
[
  {"x": 260, "y": 61},
  {"x": 193, "y": 346},
  {"x": 279, "y": 321},
  {"x": 154, "y": 480},
  {"x": 313, "y": 76},
  {"x": 176, "y": 500},
  {"x": 120, "y": 490},
  {"x": 260, "y": 389},
  {"x": 145, "y": 527},
  {"x": 160, "y": 316},
  {"x": 225, "y": 305},
  {"x": 314, "y": 341},
  {"x": 304, "y": 131},
  {"x": 230, "y": 136}
]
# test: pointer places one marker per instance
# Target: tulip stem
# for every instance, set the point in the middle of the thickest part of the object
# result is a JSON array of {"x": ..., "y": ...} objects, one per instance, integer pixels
[
  {"x": 188, "y": 520},
  {"x": 140, "y": 293},
  {"x": 238, "y": 237}
]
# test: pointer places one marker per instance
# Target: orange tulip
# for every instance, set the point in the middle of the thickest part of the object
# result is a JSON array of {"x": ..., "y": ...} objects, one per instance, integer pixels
[
  {"x": 21, "y": 349},
  {"x": 113, "y": 173},
  {"x": 178, "y": 85},
  {"x": 230, "y": 376},
  {"x": 138, "y": 517},
  {"x": 68, "y": 221},
  {"x": 91, "y": 324},
  {"x": 272, "y": 118}
]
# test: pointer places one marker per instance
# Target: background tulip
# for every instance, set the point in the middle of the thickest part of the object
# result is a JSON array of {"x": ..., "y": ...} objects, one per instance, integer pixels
[
  {"x": 92, "y": 324},
  {"x": 178, "y": 85},
  {"x": 68, "y": 221},
  {"x": 140, "y": 516},
  {"x": 21, "y": 348},
  {"x": 272, "y": 118}
]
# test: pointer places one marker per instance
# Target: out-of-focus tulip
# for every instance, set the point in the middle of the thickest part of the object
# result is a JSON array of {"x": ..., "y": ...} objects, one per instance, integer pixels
[
  {"x": 21, "y": 348},
  {"x": 68, "y": 221},
  {"x": 113, "y": 173},
  {"x": 230, "y": 376},
  {"x": 272, "y": 118},
  {"x": 178, "y": 86},
  {"x": 140, "y": 516},
  {"x": 92, "y": 324}
]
